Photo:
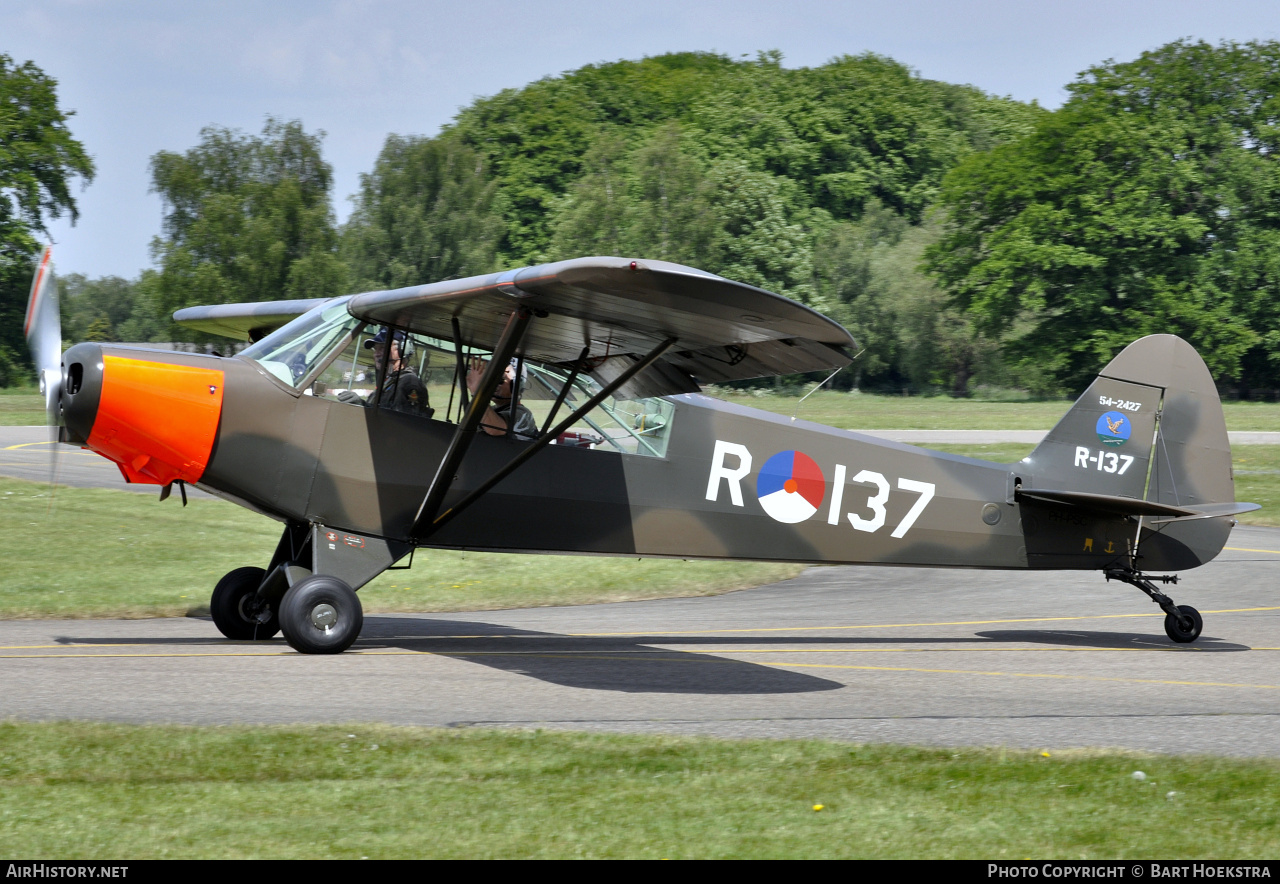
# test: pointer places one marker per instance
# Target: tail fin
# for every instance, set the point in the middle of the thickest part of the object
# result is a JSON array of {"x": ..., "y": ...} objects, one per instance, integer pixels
[{"x": 1149, "y": 428}]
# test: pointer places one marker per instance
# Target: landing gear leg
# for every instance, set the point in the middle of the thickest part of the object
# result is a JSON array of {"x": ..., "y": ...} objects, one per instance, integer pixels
[{"x": 1182, "y": 623}]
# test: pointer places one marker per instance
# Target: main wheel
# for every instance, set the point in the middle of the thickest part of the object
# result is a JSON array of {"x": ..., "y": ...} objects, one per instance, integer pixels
[
  {"x": 321, "y": 615},
  {"x": 233, "y": 608},
  {"x": 1181, "y": 632}
]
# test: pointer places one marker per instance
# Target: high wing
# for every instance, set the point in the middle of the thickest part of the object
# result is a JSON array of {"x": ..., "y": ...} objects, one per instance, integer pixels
[
  {"x": 244, "y": 322},
  {"x": 620, "y": 309}
]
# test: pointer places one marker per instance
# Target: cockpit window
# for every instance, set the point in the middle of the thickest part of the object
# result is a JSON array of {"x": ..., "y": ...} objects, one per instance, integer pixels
[
  {"x": 291, "y": 352},
  {"x": 633, "y": 426},
  {"x": 330, "y": 354}
]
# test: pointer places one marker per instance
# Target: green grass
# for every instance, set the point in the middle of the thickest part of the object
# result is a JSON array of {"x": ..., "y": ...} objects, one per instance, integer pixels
[
  {"x": 105, "y": 553},
  {"x": 850, "y": 411},
  {"x": 864, "y": 411},
  {"x": 21, "y": 407},
  {"x": 77, "y": 790}
]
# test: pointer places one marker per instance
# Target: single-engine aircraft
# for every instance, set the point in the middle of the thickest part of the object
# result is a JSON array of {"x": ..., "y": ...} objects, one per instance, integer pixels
[{"x": 374, "y": 424}]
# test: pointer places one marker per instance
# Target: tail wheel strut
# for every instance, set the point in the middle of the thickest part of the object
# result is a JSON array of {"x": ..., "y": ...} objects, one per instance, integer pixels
[{"x": 1182, "y": 623}]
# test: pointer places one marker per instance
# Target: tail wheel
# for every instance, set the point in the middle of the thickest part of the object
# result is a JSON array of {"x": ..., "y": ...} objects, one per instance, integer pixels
[
  {"x": 1185, "y": 628},
  {"x": 321, "y": 615},
  {"x": 234, "y": 609}
]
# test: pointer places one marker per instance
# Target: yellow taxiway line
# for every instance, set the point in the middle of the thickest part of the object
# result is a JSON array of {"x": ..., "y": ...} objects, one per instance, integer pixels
[
  {"x": 1159, "y": 681},
  {"x": 893, "y": 625},
  {"x": 721, "y": 660}
]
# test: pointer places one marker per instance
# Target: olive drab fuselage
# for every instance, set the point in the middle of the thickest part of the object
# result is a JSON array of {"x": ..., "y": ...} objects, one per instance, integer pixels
[{"x": 720, "y": 491}]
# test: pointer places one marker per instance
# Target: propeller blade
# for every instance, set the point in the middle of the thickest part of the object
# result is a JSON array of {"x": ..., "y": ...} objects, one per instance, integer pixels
[{"x": 43, "y": 330}]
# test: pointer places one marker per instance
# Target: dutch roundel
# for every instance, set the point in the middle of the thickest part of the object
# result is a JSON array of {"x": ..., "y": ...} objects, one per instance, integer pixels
[{"x": 790, "y": 486}]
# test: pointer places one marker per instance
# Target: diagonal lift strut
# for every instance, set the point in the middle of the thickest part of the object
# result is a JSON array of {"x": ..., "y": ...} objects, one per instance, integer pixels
[
  {"x": 465, "y": 434},
  {"x": 424, "y": 527}
]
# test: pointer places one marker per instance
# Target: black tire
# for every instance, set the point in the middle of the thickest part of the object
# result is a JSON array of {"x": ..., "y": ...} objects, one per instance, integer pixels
[
  {"x": 321, "y": 615},
  {"x": 1177, "y": 631},
  {"x": 232, "y": 609}
]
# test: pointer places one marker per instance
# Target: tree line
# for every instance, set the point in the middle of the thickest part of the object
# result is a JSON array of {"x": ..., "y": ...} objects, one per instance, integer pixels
[{"x": 963, "y": 238}]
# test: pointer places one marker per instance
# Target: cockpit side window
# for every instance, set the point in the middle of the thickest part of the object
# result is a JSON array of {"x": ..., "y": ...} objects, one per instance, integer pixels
[
  {"x": 632, "y": 426},
  {"x": 638, "y": 426}
]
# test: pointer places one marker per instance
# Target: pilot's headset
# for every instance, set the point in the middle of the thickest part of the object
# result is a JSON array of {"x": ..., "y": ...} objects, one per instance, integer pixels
[{"x": 402, "y": 340}]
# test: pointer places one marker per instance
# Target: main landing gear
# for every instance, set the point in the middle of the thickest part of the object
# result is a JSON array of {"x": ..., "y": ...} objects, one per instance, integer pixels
[
  {"x": 318, "y": 614},
  {"x": 1182, "y": 623},
  {"x": 321, "y": 615}
]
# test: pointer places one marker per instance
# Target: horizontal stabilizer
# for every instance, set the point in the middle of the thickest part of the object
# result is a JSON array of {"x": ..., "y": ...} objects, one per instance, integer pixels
[
  {"x": 1212, "y": 511},
  {"x": 1129, "y": 506},
  {"x": 1107, "y": 503}
]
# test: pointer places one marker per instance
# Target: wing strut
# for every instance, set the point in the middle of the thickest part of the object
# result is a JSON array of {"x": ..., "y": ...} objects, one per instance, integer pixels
[
  {"x": 564, "y": 388},
  {"x": 542, "y": 441},
  {"x": 462, "y": 363},
  {"x": 466, "y": 432}
]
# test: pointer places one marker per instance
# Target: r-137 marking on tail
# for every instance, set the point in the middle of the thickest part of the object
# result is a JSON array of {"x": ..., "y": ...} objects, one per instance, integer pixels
[{"x": 1104, "y": 461}]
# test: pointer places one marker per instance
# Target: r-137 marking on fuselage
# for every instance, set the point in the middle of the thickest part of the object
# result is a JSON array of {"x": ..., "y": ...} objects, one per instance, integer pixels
[{"x": 1105, "y": 461}]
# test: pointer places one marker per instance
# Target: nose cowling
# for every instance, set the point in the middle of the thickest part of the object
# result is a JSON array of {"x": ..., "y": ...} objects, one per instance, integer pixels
[
  {"x": 156, "y": 418},
  {"x": 81, "y": 387}
]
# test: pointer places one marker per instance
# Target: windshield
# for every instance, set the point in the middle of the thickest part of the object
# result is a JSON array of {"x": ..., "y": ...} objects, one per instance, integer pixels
[{"x": 290, "y": 352}]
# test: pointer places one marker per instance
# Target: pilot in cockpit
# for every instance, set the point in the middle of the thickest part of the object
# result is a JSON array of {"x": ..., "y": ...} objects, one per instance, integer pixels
[
  {"x": 498, "y": 417},
  {"x": 402, "y": 390}
]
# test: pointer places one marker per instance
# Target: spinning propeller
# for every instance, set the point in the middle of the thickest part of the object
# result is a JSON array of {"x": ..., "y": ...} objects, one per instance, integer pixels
[{"x": 43, "y": 329}]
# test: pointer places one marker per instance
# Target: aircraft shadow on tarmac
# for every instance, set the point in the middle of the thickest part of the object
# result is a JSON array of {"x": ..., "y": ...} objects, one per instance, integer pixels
[
  {"x": 628, "y": 664},
  {"x": 1107, "y": 640},
  {"x": 631, "y": 663}
]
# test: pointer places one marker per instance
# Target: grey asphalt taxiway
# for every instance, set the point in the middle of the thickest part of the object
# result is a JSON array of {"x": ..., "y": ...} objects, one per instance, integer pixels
[{"x": 1046, "y": 660}]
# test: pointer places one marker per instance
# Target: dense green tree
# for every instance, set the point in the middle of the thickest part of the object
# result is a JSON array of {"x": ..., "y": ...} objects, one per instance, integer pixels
[
  {"x": 842, "y": 272},
  {"x": 39, "y": 161},
  {"x": 743, "y": 168},
  {"x": 939, "y": 345},
  {"x": 1150, "y": 202},
  {"x": 535, "y": 138},
  {"x": 855, "y": 128},
  {"x": 910, "y": 334},
  {"x": 110, "y": 308},
  {"x": 655, "y": 200},
  {"x": 594, "y": 217},
  {"x": 425, "y": 213},
  {"x": 247, "y": 218}
]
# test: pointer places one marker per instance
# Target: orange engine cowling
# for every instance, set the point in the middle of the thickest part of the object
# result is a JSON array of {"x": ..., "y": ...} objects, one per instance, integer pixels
[{"x": 157, "y": 420}]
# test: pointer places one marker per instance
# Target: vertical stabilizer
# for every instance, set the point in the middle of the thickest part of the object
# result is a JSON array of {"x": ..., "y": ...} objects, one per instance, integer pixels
[
  {"x": 1149, "y": 427},
  {"x": 1192, "y": 459},
  {"x": 1103, "y": 444}
]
